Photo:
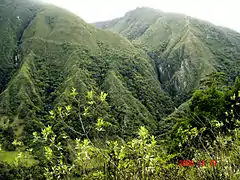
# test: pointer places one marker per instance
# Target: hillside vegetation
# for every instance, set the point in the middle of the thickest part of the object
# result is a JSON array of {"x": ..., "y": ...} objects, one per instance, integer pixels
[
  {"x": 55, "y": 58},
  {"x": 184, "y": 49},
  {"x": 82, "y": 102}
]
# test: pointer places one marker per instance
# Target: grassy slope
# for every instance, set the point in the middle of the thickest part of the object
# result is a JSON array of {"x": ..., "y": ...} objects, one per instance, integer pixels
[
  {"x": 61, "y": 51},
  {"x": 184, "y": 49},
  {"x": 9, "y": 157}
]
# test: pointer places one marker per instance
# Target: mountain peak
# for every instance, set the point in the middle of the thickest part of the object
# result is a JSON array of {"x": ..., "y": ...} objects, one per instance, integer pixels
[
  {"x": 143, "y": 12},
  {"x": 183, "y": 48},
  {"x": 145, "y": 8}
]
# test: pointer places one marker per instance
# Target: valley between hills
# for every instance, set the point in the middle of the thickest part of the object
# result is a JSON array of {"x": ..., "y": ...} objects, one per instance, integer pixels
[{"x": 127, "y": 98}]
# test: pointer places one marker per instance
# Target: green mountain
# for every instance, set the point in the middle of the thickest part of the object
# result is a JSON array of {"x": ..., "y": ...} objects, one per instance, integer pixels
[
  {"x": 13, "y": 21},
  {"x": 183, "y": 48},
  {"x": 116, "y": 101},
  {"x": 47, "y": 50}
]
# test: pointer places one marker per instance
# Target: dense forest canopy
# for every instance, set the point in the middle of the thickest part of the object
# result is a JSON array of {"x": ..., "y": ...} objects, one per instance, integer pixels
[{"x": 136, "y": 97}]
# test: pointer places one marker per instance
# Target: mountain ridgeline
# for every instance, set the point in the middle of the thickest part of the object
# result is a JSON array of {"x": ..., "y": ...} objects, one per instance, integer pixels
[
  {"x": 121, "y": 99},
  {"x": 51, "y": 50},
  {"x": 183, "y": 48},
  {"x": 46, "y": 50}
]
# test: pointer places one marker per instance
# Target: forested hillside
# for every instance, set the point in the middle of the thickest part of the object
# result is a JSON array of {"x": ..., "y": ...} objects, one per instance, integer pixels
[
  {"x": 55, "y": 58},
  {"x": 11, "y": 30},
  {"x": 184, "y": 49},
  {"x": 82, "y": 102}
]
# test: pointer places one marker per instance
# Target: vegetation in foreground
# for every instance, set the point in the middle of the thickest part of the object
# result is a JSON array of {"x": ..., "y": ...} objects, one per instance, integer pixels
[
  {"x": 209, "y": 134},
  {"x": 132, "y": 130}
]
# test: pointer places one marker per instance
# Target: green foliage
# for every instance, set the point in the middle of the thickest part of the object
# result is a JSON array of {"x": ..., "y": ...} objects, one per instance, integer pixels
[
  {"x": 139, "y": 158},
  {"x": 212, "y": 113},
  {"x": 184, "y": 49},
  {"x": 15, "y": 17},
  {"x": 91, "y": 134},
  {"x": 7, "y": 137},
  {"x": 9, "y": 172},
  {"x": 142, "y": 157},
  {"x": 136, "y": 159},
  {"x": 55, "y": 58},
  {"x": 53, "y": 161},
  {"x": 217, "y": 79},
  {"x": 62, "y": 158}
]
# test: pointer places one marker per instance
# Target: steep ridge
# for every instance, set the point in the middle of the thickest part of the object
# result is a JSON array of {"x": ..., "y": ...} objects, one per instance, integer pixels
[
  {"x": 61, "y": 51},
  {"x": 13, "y": 21},
  {"x": 134, "y": 24},
  {"x": 184, "y": 49}
]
